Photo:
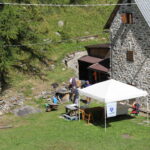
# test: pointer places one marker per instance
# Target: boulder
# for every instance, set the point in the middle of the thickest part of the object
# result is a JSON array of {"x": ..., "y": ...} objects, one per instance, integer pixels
[
  {"x": 26, "y": 110},
  {"x": 60, "y": 23}
]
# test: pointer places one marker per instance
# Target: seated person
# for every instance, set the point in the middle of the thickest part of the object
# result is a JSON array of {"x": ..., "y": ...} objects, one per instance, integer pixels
[
  {"x": 87, "y": 83},
  {"x": 135, "y": 107},
  {"x": 55, "y": 100}
]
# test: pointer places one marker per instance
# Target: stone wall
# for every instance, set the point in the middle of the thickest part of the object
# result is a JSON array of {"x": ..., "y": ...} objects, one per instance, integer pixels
[{"x": 135, "y": 37}]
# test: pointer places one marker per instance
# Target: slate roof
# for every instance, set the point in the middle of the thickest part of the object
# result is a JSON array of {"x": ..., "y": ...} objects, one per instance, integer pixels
[
  {"x": 98, "y": 67},
  {"x": 144, "y": 6},
  {"x": 98, "y": 46},
  {"x": 90, "y": 59}
]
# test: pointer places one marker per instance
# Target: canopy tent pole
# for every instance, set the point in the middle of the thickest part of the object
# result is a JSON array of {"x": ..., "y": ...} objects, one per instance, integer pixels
[
  {"x": 105, "y": 117},
  {"x": 147, "y": 111},
  {"x": 79, "y": 107}
]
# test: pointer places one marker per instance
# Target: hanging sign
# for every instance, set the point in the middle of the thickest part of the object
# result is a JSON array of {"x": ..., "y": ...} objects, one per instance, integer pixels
[{"x": 111, "y": 109}]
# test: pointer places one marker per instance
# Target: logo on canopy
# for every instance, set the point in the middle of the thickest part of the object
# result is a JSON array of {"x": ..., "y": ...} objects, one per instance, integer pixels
[{"x": 111, "y": 109}]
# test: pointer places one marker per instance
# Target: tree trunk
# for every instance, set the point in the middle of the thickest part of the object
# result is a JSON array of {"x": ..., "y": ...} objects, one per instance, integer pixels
[{"x": 3, "y": 83}]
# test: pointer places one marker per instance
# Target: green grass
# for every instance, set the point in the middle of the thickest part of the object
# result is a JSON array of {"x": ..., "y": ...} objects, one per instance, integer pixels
[
  {"x": 23, "y": 82},
  {"x": 46, "y": 131}
]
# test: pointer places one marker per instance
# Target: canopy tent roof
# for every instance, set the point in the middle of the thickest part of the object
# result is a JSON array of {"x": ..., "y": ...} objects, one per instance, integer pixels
[{"x": 111, "y": 91}]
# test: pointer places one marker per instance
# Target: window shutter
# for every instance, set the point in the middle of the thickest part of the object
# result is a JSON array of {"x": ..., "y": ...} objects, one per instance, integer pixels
[
  {"x": 130, "y": 17},
  {"x": 127, "y": 18},
  {"x": 124, "y": 18},
  {"x": 130, "y": 56}
]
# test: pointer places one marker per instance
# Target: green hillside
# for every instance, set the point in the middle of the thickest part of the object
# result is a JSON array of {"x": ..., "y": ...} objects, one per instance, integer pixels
[{"x": 49, "y": 33}]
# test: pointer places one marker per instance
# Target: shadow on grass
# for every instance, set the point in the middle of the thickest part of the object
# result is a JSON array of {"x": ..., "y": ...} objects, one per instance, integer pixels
[
  {"x": 101, "y": 122},
  {"x": 98, "y": 116}
]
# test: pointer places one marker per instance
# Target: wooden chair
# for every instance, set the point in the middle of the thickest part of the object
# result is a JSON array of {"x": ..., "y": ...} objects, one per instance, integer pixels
[
  {"x": 86, "y": 116},
  {"x": 82, "y": 113}
]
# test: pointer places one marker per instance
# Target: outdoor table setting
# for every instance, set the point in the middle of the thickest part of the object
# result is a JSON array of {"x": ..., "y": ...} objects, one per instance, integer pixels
[{"x": 71, "y": 111}]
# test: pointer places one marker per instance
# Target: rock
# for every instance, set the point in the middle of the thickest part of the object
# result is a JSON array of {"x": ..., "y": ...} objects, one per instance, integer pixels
[
  {"x": 63, "y": 69},
  {"x": 43, "y": 92},
  {"x": 38, "y": 96},
  {"x": 57, "y": 33},
  {"x": 86, "y": 32},
  {"x": 6, "y": 108},
  {"x": 2, "y": 102},
  {"x": 5, "y": 127},
  {"x": 25, "y": 110},
  {"x": 103, "y": 38},
  {"x": 1, "y": 113},
  {"x": 60, "y": 23},
  {"x": 52, "y": 67},
  {"x": 54, "y": 85},
  {"x": 9, "y": 103}
]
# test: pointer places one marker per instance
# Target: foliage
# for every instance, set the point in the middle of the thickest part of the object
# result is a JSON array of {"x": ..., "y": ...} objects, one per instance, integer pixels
[
  {"x": 20, "y": 29},
  {"x": 40, "y": 37}
]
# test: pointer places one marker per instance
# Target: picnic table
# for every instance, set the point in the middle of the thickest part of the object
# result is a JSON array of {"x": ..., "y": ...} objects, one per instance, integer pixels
[
  {"x": 71, "y": 112},
  {"x": 71, "y": 109}
]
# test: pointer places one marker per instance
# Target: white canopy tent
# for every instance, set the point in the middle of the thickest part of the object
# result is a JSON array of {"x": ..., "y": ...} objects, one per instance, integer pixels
[{"x": 112, "y": 91}]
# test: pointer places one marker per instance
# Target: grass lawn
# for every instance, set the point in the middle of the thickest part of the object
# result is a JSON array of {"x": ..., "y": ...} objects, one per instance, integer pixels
[{"x": 47, "y": 131}]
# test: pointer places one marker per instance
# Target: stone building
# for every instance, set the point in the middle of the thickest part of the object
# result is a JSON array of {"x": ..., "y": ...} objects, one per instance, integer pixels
[{"x": 129, "y": 27}]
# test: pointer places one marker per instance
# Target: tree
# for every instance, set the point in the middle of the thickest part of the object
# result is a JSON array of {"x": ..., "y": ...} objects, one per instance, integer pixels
[{"x": 18, "y": 37}]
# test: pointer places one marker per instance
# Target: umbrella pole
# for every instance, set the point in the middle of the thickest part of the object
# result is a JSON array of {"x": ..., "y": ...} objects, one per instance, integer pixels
[{"x": 105, "y": 117}]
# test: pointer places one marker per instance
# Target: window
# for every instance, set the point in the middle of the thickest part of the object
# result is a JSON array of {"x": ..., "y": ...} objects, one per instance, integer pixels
[
  {"x": 130, "y": 56},
  {"x": 127, "y": 18}
]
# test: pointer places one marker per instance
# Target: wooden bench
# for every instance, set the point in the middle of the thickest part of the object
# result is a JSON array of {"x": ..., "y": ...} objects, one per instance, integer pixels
[{"x": 51, "y": 107}]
